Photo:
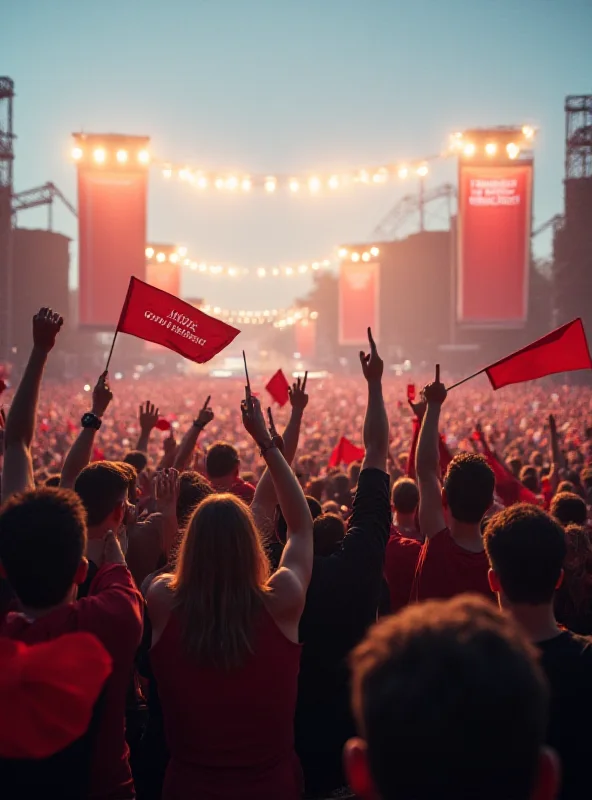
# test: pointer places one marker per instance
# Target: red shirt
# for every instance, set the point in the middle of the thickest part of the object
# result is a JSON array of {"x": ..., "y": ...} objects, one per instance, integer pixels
[
  {"x": 399, "y": 568},
  {"x": 244, "y": 490},
  {"x": 445, "y": 569},
  {"x": 113, "y": 613}
]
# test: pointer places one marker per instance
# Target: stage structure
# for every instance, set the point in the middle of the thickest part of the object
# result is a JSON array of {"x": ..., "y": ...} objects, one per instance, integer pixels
[
  {"x": 163, "y": 267},
  {"x": 6, "y": 181},
  {"x": 359, "y": 295},
  {"x": 572, "y": 274},
  {"x": 112, "y": 197},
  {"x": 494, "y": 226}
]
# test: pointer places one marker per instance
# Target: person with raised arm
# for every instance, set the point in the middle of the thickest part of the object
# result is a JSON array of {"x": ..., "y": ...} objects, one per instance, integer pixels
[
  {"x": 225, "y": 650},
  {"x": 452, "y": 559},
  {"x": 265, "y": 500},
  {"x": 81, "y": 451},
  {"x": 342, "y": 603},
  {"x": 17, "y": 473},
  {"x": 185, "y": 450},
  {"x": 148, "y": 418}
]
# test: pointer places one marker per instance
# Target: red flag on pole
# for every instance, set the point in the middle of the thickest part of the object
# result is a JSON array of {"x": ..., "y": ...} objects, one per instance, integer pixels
[
  {"x": 156, "y": 316},
  {"x": 562, "y": 350},
  {"x": 345, "y": 453},
  {"x": 278, "y": 388}
]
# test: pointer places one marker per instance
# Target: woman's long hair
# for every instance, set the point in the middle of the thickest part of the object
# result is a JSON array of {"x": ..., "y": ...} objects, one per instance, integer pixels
[
  {"x": 578, "y": 566},
  {"x": 219, "y": 582}
]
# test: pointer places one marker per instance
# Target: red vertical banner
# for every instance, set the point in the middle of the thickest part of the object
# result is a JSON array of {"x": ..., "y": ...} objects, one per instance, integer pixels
[
  {"x": 112, "y": 241},
  {"x": 359, "y": 302},
  {"x": 493, "y": 244},
  {"x": 306, "y": 338}
]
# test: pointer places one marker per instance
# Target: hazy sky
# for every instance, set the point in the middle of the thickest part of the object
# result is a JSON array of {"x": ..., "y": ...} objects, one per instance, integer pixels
[{"x": 286, "y": 86}]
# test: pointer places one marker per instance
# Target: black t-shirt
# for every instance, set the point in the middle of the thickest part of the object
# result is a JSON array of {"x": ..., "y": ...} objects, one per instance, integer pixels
[
  {"x": 342, "y": 602},
  {"x": 567, "y": 661}
]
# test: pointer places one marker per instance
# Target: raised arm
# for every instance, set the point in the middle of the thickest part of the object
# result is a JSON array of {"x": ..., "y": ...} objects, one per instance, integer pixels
[
  {"x": 376, "y": 427},
  {"x": 17, "y": 474},
  {"x": 81, "y": 451},
  {"x": 557, "y": 460},
  {"x": 148, "y": 417},
  {"x": 187, "y": 446},
  {"x": 264, "y": 501},
  {"x": 290, "y": 583},
  {"x": 431, "y": 512}
]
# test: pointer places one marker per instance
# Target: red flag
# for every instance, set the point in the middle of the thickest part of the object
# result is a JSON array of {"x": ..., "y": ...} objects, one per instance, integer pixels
[
  {"x": 278, "y": 388},
  {"x": 345, "y": 453},
  {"x": 562, "y": 350},
  {"x": 163, "y": 425},
  {"x": 159, "y": 317}
]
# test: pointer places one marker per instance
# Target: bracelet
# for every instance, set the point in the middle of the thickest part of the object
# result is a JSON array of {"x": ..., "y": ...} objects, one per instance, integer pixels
[
  {"x": 197, "y": 424},
  {"x": 265, "y": 448}
]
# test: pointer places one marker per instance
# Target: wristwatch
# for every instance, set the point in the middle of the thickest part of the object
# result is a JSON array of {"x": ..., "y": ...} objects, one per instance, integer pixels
[
  {"x": 267, "y": 446},
  {"x": 90, "y": 420}
]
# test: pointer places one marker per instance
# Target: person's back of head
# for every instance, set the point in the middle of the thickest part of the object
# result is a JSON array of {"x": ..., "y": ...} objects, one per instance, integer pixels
[
  {"x": 328, "y": 531},
  {"x": 137, "y": 460},
  {"x": 42, "y": 546},
  {"x": 515, "y": 466},
  {"x": 193, "y": 488},
  {"x": 222, "y": 461},
  {"x": 53, "y": 481},
  {"x": 219, "y": 581},
  {"x": 526, "y": 549},
  {"x": 566, "y": 486},
  {"x": 104, "y": 489},
  {"x": 353, "y": 472},
  {"x": 529, "y": 477},
  {"x": 405, "y": 497},
  {"x": 575, "y": 593},
  {"x": 281, "y": 527},
  {"x": 569, "y": 509},
  {"x": 469, "y": 485},
  {"x": 451, "y": 703}
]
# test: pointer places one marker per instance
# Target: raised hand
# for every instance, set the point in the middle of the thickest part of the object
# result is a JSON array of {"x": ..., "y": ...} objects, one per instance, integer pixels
[
  {"x": 418, "y": 408},
  {"x": 148, "y": 417},
  {"x": 372, "y": 364},
  {"x": 166, "y": 491},
  {"x": 435, "y": 393},
  {"x": 552, "y": 425},
  {"x": 254, "y": 421},
  {"x": 170, "y": 444},
  {"x": 102, "y": 395},
  {"x": 297, "y": 393},
  {"x": 46, "y": 326},
  {"x": 206, "y": 415}
]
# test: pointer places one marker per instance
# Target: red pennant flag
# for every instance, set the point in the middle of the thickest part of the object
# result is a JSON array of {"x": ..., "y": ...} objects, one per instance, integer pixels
[
  {"x": 156, "y": 316},
  {"x": 278, "y": 388},
  {"x": 345, "y": 453},
  {"x": 562, "y": 350}
]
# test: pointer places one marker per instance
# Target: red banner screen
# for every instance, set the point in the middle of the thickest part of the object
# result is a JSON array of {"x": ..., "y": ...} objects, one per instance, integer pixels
[
  {"x": 359, "y": 295},
  {"x": 112, "y": 242},
  {"x": 494, "y": 220},
  {"x": 306, "y": 338}
]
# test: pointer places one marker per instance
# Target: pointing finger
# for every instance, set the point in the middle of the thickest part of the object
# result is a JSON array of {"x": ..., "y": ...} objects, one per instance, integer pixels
[
  {"x": 304, "y": 381},
  {"x": 437, "y": 373},
  {"x": 371, "y": 340}
]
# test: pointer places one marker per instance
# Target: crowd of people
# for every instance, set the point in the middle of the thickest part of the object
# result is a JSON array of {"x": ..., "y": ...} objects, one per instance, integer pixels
[{"x": 193, "y": 605}]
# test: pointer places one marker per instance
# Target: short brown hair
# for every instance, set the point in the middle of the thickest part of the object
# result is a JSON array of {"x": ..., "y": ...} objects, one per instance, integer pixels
[
  {"x": 469, "y": 485},
  {"x": 451, "y": 701},
  {"x": 569, "y": 509},
  {"x": 405, "y": 496},
  {"x": 101, "y": 486},
  {"x": 221, "y": 460}
]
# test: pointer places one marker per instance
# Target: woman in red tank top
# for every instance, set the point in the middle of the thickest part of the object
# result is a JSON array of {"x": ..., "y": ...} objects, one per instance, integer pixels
[{"x": 225, "y": 650}]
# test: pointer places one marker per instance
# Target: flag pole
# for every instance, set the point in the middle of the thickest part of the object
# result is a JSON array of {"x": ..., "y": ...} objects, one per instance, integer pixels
[
  {"x": 111, "y": 351},
  {"x": 464, "y": 380}
]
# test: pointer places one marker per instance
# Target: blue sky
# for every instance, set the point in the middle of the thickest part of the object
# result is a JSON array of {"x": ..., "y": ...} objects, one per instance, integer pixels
[{"x": 286, "y": 86}]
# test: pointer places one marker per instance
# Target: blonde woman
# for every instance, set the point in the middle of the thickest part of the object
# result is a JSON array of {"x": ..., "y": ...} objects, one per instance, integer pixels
[{"x": 225, "y": 651}]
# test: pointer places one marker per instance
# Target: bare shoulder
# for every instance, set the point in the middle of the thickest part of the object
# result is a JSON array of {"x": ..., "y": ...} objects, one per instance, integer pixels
[
  {"x": 160, "y": 593},
  {"x": 286, "y": 596}
]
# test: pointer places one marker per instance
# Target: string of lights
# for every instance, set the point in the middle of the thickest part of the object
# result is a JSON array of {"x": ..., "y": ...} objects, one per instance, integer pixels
[
  {"x": 179, "y": 256},
  {"x": 295, "y": 184},
  {"x": 279, "y": 318}
]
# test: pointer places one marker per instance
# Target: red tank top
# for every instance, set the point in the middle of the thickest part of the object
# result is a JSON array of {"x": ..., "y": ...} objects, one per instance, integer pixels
[{"x": 230, "y": 734}]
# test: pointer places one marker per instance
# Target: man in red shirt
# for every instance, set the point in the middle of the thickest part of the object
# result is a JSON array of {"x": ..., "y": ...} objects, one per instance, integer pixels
[
  {"x": 222, "y": 468},
  {"x": 404, "y": 545},
  {"x": 42, "y": 547},
  {"x": 453, "y": 559}
]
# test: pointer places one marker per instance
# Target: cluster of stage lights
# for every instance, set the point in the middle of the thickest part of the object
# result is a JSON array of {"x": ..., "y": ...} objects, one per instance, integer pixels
[
  {"x": 179, "y": 256},
  {"x": 279, "y": 318},
  {"x": 102, "y": 155},
  {"x": 313, "y": 184},
  {"x": 355, "y": 256},
  {"x": 492, "y": 149}
]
